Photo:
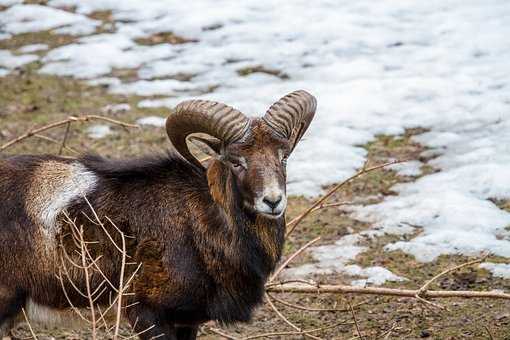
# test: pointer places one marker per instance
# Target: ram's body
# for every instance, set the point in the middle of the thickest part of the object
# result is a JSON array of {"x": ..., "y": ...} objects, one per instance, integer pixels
[
  {"x": 196, "y": 266},
  {"x": 206, "y": 238}
]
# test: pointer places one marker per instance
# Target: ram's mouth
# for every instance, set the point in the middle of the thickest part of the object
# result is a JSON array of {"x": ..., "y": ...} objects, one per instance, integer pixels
[{"x": 273, "y": 215}]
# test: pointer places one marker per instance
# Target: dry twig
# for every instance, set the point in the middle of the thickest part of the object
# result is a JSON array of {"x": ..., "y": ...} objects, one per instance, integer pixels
[
  {"x": 32, "y": 333},
  {"x": 294, "y": 223},
  {"x": 287, "y": 321},
  {"x": 292, "y": 257},
  {"x": 355, "y": 320},
  {"x": 310, "y": 309},
  {"x": 72, "y": 119},
  {"x": 89, "y": 265}
]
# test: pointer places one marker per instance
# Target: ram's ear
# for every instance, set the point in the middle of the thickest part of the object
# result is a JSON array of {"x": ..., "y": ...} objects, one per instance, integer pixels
[{"x": 210, "y": 146}]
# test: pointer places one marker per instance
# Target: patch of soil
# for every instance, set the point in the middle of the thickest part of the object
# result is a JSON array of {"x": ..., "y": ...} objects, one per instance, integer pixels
[
  {"x": 246, "y": 71},
  {"x": 165, "y": 37}
]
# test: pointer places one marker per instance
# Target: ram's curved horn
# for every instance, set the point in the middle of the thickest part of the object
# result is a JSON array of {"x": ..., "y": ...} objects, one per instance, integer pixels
[
  {"x": 213, "y": 118},
  {"x": 291, "y": 115}
]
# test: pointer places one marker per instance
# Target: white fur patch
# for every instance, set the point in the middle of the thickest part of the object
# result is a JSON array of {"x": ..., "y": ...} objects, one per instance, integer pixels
[
  {"x": 50, "y": 317},
  {"x": 78, "y": 184},
  {"x": 271, "y": 190},
  {"x": 65, "y": 318}
]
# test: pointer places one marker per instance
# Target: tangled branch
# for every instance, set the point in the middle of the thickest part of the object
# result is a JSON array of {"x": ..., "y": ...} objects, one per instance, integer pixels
[{"x": 82, "y": 260}]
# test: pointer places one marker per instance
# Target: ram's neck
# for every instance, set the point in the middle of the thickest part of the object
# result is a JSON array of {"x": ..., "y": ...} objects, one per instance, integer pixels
[{"x": 252, "y": 239}]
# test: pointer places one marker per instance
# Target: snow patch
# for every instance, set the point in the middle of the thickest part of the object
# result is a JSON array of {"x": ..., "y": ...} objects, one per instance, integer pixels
[
  {"x": 152, "y": 121},
  {"x": 33, "y": 48},
  {"x": 116, "y": 108},
  {"x": 7, "y": 3},
  {"x": 11, "y": 61},
  {"x": 33, "y": 18},
  {"x": 410, "y": 168},
  {"x": 99, "y": 131},
  {"x": 334, "y": 258},
  {"x": 497, "y": 269}
]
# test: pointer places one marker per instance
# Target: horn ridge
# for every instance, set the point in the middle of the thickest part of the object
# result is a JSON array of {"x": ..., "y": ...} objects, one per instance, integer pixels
[
  {"x": 203, "y": 116},
  {"x": 291, "y": 115}
]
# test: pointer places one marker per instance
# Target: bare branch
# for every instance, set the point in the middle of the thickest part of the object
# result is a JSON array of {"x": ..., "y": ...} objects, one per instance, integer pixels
[
  {"x": 29, "y": 325},
  {"x": 355, "y": 320},
  {"x": 346, "y": 289},
  {"x": 292, "y": 257},
  {"x": 287, "y": 321},
  {"x": 310, "y": 309},
  {"x": 86, "y": 118},
  {"x": 294, "y": 223}
]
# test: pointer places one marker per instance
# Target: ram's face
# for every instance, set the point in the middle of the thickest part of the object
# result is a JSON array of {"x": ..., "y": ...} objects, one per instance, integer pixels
[
  {"x": 253, "y": 151},
  {"x": 259, "y": 165}
]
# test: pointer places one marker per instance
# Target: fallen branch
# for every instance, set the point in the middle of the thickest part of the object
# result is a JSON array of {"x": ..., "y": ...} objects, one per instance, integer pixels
[
  {"x": 310, "y": 309},
  {"x": 346, "y": 289},
  {"x": 72, "y": 119}
]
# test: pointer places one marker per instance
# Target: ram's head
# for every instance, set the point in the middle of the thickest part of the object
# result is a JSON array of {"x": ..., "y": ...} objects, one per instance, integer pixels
[{"x": 255, "y": 150}]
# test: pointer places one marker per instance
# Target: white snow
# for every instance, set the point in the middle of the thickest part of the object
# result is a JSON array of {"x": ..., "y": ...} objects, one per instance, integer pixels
[
  {"x": 410, "y": 168},
  {"x": 155, "y": 87},
  {"x": 376, "y": 67},
  {"x": 497, "y": 269},
  {"x": 116, "y": 108},
  {"x": 335, "y": 258},
  {"x": 11, "y": 61},
  {"x": 10, "y": 2},
  {"x": 99, "y": 131},
  {"x": 152, "y": 121},
  {"x": 33, "y": 48},
  {"x": 33, "y": 18}
]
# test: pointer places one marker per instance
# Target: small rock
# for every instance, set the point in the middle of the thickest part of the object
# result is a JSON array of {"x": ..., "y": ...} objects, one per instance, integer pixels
[{"x": 424, "y": 334}]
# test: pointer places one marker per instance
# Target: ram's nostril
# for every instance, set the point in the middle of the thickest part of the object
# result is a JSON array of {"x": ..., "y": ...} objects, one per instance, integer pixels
[{"x": 272, "y": 201}]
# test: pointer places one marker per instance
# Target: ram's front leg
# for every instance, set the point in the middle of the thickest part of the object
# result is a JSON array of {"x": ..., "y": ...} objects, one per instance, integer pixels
[
  {"x": 187, "y": 332},
  {"x": 11, "y": 303},
  {"x": 150, "y": 324}
]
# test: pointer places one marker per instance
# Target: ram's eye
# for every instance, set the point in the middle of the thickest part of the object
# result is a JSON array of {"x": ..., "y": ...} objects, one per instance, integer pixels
[{"x": 238, "y": 164}]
